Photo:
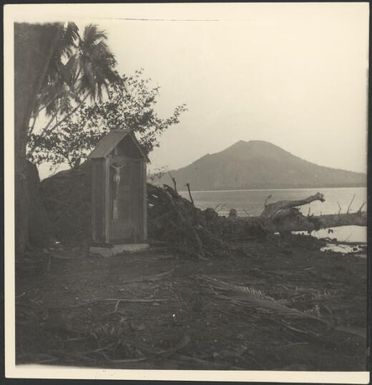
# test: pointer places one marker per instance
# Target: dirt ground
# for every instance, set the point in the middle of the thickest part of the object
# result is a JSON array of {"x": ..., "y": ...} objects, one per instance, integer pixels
[{"x": 274, "y": 305}]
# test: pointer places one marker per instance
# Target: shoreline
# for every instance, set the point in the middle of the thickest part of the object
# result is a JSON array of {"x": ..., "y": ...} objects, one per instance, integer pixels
[{"x": 276, "y": 189}]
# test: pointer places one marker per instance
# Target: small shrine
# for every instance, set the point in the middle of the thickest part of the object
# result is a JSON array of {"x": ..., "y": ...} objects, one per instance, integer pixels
[{"x": 119, "y": 215}]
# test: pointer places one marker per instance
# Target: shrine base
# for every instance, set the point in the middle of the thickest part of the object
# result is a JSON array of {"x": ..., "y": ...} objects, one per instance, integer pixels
[{"x": 118, "y": 249}]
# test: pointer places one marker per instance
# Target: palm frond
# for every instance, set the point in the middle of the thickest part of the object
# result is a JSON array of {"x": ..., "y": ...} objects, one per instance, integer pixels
[
  {"x": 246, "y": 296},
  {"x": 97, "y": 63},
  {"x": 92, "y": 34}
]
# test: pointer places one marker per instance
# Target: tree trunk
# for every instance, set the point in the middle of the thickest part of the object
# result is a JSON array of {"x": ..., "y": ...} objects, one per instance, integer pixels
[
  {"x": 308, "y": 223},
  {"x": 41, "y": 230},
  {"x": 33, "y": 48},
  {"x": 284, "y": 217}
]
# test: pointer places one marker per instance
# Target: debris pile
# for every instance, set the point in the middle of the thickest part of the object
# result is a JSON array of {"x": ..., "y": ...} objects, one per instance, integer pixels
[
  {"x": 67, "y": 199},
  {"x": 187, "y": 229},
  {"x": 175, "y": 220},
  {"x": 172, "y": 219}
]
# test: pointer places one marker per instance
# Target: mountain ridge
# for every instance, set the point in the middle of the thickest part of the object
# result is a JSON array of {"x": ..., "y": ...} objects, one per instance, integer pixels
[{"x": 259, "y": 164}]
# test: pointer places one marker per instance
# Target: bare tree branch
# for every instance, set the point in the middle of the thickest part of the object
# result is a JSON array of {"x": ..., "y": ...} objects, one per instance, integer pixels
[{"x": 352, "y": 200}]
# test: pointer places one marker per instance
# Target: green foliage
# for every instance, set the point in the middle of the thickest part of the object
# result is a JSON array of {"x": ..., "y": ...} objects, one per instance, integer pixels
[
  {"x": 129, "y": 104},
  {"x": 80, "y": 67}
]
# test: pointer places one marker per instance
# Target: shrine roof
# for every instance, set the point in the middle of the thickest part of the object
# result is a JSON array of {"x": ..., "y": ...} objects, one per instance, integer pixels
[{"x": 107, "y": 144}]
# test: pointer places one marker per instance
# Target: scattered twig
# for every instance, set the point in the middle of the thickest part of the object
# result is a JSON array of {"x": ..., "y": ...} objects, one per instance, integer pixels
[
  {"x": 116, "y": 306},
  {"x": 188, "y": 189},
  {"x": 152, "y": 278},
  {"x": 185, "y": 340},
  {"x": 130, "y": 300},
  {"x": 220, "y": 207},
  {"x": 217, "y": 207},
  {"x": 293, "y": 344},
  {"x": 352, "y": 200},
  {"x": 74, "y": 339},
  {"x": 174, "y": 182},
  {"x": 41, "y": 358},
  {"x": 267, "y": 199},
  {"x": 81, "y": 356},
  {"x": 205, "y": 363},
  {"x": 57, "y": 256},
  {"x": 360, "y": 208},
  {"x": 49, "y": 264},
  {"x": 299, "y": 331},
  {"x": 339, "y": 207},
  {"x": 127, "y": 300},
  {"x": 124, "y": 361}
]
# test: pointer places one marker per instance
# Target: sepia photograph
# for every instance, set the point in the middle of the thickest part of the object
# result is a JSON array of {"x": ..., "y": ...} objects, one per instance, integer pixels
[{"x": 186, "y": 190}]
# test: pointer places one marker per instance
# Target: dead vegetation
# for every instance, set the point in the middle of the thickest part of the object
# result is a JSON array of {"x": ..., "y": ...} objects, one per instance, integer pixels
[{"x": 274, "y": 305}]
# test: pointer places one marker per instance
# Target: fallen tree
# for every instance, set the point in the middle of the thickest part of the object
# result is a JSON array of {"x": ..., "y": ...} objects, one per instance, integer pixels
[
  {"x": 311, "y": 223},
  {"x": 284, "y": 217}
]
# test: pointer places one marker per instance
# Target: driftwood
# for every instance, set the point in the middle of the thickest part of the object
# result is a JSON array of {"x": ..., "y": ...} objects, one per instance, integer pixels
[
  {"x": 311, "y": 223},
  {"x": 188, "y": 189},
  {"x": 284, "y": 217},
  {"x": 282, "y": 208}
]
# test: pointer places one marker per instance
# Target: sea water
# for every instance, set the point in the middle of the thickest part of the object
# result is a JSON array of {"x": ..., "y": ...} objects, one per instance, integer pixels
[{"x": 251, "y": 203}]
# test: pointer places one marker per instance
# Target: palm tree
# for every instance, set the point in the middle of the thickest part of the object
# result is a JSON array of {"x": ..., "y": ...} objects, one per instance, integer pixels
[
  {"x": 80, "y": 68},
  {"x": 96, "y": 63},
  {"x": 55, "y": 70}
]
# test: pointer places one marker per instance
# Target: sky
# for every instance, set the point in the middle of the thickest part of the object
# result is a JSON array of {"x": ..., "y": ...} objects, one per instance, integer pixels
[{"x": 294, "y": 74}]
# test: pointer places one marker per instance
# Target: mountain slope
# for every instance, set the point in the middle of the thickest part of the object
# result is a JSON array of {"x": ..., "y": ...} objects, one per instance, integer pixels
[{"x": 259, "y": 165}]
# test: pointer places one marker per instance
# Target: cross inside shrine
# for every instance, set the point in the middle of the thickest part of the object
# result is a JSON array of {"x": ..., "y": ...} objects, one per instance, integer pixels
[{"x": 119, "y": 215}]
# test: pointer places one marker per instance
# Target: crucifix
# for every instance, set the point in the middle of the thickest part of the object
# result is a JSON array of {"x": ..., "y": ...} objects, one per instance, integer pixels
[
  {"x": 118, "y": 201},
  {"x": 117, "y": 163}
]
